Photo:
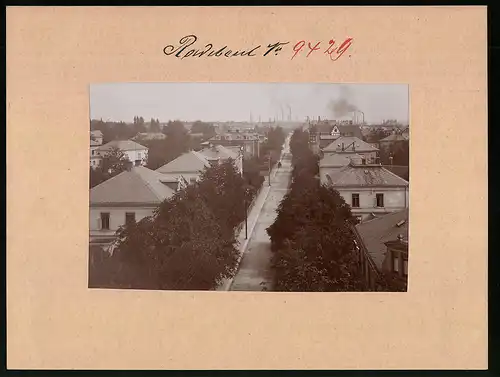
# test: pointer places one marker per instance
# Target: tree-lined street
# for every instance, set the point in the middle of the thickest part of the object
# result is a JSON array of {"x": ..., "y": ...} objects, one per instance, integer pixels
[{"x": 255, "y": 272}]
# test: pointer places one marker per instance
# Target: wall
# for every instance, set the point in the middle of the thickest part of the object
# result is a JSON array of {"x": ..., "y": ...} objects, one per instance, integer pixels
[
  {"x": 139, "y": 154},
  {"x": 94, "y": 156},
  {"x": 395, "y": 199},
  {"x": 116, "y": 218}
]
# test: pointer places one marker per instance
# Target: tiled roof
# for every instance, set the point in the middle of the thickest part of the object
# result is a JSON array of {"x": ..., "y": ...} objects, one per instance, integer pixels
[
  {"x": 139, "y": 185},
  {"x": 374, "y": 233},
  {"x": 218, "y": 151},
  {"x": 393, "y": 137},
  {"x": 355, "y": 130},
  {"x": 336, "y": 160},
  {"x": 230, "y": 136},
  {"x": 399, "y": 170},
  {"x": 187, "y": 162},
  {"x": 234, "y": 148},
  {"x": 150, "y": 136},
  {"x": 366, "y": 176},
  {"x": 123, "y": 145},
  {"x": 359, "y": 145},
  {"x": 324, "y": 127}
]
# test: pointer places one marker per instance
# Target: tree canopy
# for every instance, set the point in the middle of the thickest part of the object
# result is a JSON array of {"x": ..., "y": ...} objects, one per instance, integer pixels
[
  {"x": 111, "y": 164},
  {"x": 311, "y": 237},
  {"x": 189, "y": 243}
]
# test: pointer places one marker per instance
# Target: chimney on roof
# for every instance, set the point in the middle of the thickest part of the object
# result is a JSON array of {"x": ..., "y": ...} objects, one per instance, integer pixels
[
  {"x": 342, "y": 147},
  {"x": 319, "y": 119}
]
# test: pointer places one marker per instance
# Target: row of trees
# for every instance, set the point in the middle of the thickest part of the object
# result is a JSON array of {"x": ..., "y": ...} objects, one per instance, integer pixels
[
  {"x": 188, "y": 244},
  {"x": 313, "y": 246}
]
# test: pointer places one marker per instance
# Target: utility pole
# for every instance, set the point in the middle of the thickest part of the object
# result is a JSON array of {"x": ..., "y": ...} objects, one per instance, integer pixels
[
  {"x": 269, "y": 168},
  {"x": 246, "y": 217}
]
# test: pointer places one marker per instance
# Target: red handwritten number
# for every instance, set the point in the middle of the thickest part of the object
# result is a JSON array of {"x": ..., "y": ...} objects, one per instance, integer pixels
[
  {"x": 298, "y": 47},
  {"x": 312, "y": 48},
  {"x": 343, "y": 48},
  {"x": 333, "y": 52},
  {"x": 329, "y": 50}
]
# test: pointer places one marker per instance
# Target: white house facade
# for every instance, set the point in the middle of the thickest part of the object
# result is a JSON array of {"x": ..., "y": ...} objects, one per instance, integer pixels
[
  {"x": 95, "y": 142},
  {"x": 188, "y": 166},
  {"x": 128, "y": 197},
  {"x": 370, "y": 190},
  {"x": 133, "y": 151}
]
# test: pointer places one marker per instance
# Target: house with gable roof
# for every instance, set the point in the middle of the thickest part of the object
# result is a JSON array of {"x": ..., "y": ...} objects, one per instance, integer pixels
[
  {"x": 370, "y": 189},
  {"x": 392, "y": 140},
  {"x": 133, "y": 151},
  {"x": 331, "y": 163},
  {"x": 382, "y": 245},
  {"x": 187, "y": 168},
  {"x": 248, "y": 141},
  {"x": 352, "y": 145},
  {"x": 127, "y": 197}
]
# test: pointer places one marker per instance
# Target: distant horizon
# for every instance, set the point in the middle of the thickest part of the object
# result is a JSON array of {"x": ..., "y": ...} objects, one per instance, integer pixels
[
  {"x": 248, "y": 102},
  {"x": 162, "y": 122}
]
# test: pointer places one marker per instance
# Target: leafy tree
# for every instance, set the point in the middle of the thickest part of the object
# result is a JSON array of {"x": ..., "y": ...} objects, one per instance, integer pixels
[
  {"x": 112, "y": 163},
  {"x": 207, "y": 129},
  {"x": 311, "y": 237},
  {"x": 163, "y": 151},
  {"x": 189, "y": 242},
  {"x": 251, "y": 173},
  {"x": 223, "y": 189},
  {"x": 399, "y": 151},
  {"x": 139, "y": 125},
  {"x": 376, "y": 135},
  {"x": 154, "y": 125}
]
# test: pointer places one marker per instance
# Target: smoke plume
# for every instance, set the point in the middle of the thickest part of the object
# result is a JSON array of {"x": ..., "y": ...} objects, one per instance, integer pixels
[{"x": 343, "y": 105}]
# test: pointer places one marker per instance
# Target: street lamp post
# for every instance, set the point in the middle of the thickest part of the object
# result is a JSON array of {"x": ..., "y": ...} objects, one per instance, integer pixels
[
  {"x": 245, "y": 201},
  {"x": 269, "y": 168},
  {"x": 246, "y": 218}
]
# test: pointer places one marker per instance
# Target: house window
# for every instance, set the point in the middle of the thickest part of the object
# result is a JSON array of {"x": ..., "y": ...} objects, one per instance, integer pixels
[
  {"x": 380, "y": 200},
  {"x": 395, "y": 263},
  {"x": 405, "y": 267},
  {"x": 355, "y": 201},
  {"x": 129, "y": 218},
  {"x": 139, "y": 156},
  {"x": 105, "y": 220}
]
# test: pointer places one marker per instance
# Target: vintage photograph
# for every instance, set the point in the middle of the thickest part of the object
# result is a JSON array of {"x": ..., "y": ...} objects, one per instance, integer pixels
[{"x": 289, "y": 187}]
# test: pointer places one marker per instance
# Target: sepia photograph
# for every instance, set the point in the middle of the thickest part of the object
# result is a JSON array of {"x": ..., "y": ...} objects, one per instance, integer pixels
[{"x": 277, "y": 187}]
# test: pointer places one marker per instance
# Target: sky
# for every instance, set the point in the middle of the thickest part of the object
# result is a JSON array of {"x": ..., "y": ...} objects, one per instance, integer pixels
[{"x": 212, "y": 102}]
